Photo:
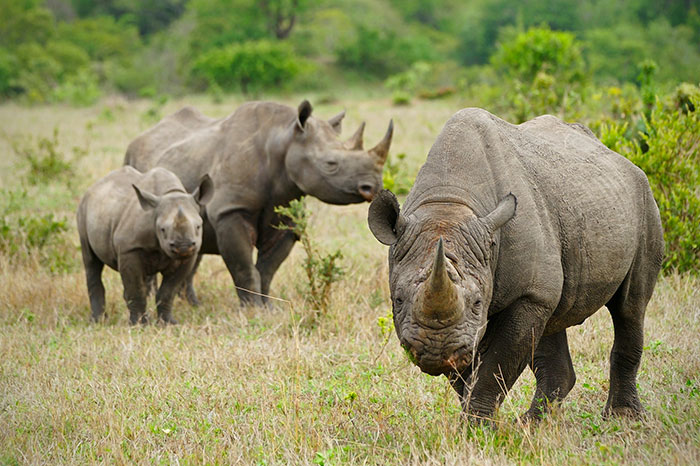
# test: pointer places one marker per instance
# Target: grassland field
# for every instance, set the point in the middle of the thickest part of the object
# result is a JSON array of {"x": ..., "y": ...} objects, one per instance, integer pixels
[{"x": 232, "y": 385}]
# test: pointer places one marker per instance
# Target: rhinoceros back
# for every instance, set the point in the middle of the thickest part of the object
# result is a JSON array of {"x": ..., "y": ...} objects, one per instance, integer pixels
[
  {"x": 144, "y": 152},
  {"x": 584, "y": 211}
]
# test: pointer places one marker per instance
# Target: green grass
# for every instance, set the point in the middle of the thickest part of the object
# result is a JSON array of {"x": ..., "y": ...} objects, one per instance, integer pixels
[{"x": 251, "y": 386}]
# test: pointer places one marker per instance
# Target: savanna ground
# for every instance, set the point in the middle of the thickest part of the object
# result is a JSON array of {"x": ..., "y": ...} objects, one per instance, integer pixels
[{"x": 258, "y": 386}]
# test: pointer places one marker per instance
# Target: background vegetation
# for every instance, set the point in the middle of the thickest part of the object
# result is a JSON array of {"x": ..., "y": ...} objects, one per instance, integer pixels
[{"x": 321, "y": 378}]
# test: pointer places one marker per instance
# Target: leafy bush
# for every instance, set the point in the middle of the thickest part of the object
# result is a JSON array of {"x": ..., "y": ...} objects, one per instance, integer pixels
[
  {"x": 24, "y": 235},
  {"x": 669, "y": 154},
  {"x": 321, "y": 271},
  {"x": 249, "y": 66},
  {"x": 380, "y": 52},
  {"x": 395, "y": 176},
  {"x": 45, "y": 161},
  {"x": 545, "y": 70}
]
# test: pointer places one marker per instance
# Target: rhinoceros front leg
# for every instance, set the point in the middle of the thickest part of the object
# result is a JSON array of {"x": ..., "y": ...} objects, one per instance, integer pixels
[
  {"x": 188, "y": 286},
  {"x": 172, "y": 282},
  {"x": 554, "y": 373},
  {"x": 233, "y": 236},
  {"x": 511, "y": 335},
  {"x": 134, "y": 281}
]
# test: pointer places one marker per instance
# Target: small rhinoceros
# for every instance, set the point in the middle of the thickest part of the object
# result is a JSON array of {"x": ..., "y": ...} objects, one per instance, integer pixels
[
  {"x": 140, "y": 224},
  {"x": 481, "y": 290},
  {"x": 262, "y": 156}
]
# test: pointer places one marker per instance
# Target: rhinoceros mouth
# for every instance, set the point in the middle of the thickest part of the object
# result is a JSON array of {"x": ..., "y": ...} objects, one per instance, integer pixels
[{"x": 438, "y": 360}]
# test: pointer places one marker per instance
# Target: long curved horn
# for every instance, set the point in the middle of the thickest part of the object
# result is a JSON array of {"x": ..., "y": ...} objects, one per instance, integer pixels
[
  {"x": 355, "y": 142},
  {"x": 440, "y": 299},
  {"x": 381, "y": 150}
]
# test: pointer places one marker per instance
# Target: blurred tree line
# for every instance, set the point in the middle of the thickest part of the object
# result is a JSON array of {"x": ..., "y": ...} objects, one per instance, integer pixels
[
  {"x": 628, "y": 69},
  {"x": 72, "y": 50}
]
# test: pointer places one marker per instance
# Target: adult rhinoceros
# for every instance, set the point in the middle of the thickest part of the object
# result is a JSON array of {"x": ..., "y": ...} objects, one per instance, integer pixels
[
  {"x": 481, "y": 289},
  {"x": 261, "y": 156}
]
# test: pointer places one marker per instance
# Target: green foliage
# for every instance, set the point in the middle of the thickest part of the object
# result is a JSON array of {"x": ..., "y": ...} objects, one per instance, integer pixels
[
  {"x": 23, "y": 234},
  {"x": 672, "y": 163},
  {"x": 321, "y": 270},
  {"x": 396, "y": 177},
  {"x": 381, "y": 52},
  {"x": 250, "y": 66},
  {"x": 545, "y": 72},
  {"x": 541, "y": 50},
  {"x": 669, "y": 154},
  {"x": 45, "y": 162}
]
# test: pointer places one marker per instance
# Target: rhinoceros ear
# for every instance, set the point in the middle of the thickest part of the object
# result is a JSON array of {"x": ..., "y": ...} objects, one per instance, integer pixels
[
  {"x": 147, "y": 200},
  {"x": 504, "y": 211},
  {"x": 304, "y": 112},
  {"x": 337, "y": 122},
  {"x": 383, "y": 217},
  {"x": 204, "y": 192}
]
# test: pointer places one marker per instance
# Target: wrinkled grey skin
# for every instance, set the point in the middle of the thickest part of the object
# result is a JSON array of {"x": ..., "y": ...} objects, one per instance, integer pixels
[
  {"x": 262, "y": 156},
  {"x": 510, "y": 235},
  {"x": 140, "y": 224}
]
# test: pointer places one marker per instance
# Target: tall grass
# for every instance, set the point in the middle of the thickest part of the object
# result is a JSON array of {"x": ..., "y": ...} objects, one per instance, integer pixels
[{"x": 253, "y": 386}]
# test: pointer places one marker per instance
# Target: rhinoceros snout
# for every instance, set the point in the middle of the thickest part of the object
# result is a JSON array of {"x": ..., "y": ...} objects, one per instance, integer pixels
[
  {"x": 367, "y": 191},
  {"x": 184, "y": 249}
]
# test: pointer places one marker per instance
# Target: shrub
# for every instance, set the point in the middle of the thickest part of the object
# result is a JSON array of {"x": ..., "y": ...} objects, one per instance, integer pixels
[
  {"x": 545, "y": 70},
  {"x": 672, "y": 163},
  {"x": 26, "y": 235},
  {"x": 44, "y": 160},
  {"x": 669, "y": 153},
  {"x": 249, "y": 66},
  {"x": 395, "y": 176},
  {"x": 321, "y": 270},
  {"x": 380, "y": 52}
]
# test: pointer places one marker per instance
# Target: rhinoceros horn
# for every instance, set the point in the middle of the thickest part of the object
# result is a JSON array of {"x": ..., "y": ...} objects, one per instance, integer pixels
[
  {"x": 355, "y": 141},
  {"x": 180, "y": 217},
  {"x": 381, "y": 150},
  {"x": 440, "y": 297}
]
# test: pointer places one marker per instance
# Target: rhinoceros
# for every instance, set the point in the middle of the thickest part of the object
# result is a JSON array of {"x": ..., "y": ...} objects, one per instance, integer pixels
[
  {"x": 140, "y": 224},
  {"x": 262, "y": 156},
  {"x": 510, "y": 235}
]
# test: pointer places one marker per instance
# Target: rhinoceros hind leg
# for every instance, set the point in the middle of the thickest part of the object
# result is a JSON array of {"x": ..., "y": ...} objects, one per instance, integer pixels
[
  {"x": 627, "y": 309},
  {"x": 554, "y": 373},
  {"x": 93, "y": 274}
]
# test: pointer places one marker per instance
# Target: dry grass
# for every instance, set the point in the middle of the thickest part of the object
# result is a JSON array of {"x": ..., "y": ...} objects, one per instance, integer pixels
[{"x": 230, "y": 385}]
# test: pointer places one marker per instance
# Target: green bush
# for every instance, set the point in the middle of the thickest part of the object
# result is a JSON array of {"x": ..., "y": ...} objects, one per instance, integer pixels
[
  {"x": 25, "y": 235},
  {"x": 669, "y": 154},
  {"x": 544, "y": 72},
  {"x": 321, "y": 271},
  {"x": 45, "y": 162},
  {"x": 250, "y": 66},
  {"x": 380, "y": 52},
  {"x": 8, "y": 72}
]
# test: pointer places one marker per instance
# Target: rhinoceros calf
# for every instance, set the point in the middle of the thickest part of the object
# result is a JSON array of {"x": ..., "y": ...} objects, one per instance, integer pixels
[
  {"x": 262, "y": 156},
  {"x": 481, "y": 289},
  {"x": 140, "y": 224}
]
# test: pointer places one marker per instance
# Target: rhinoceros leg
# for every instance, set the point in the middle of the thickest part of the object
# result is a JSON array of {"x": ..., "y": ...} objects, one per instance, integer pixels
[
  {"x": 273, "y": 250},
  {"x": 93, "y": 275},
  {"x": 134, "y": 281},
  {"x": 172, "y": 282},
  {"x": 554, "y": 373},
  {"x": 236, "y": 247},
  {"x": 509, "y": 341},
  {"x": 627, "y": 311},
  {"x": 188, "y": 286}
]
